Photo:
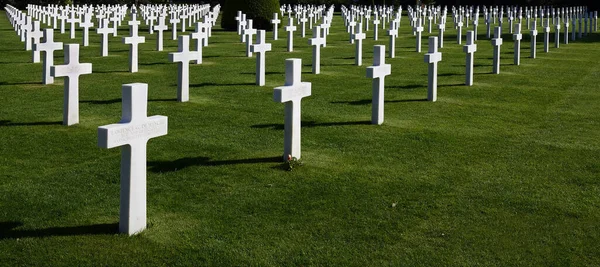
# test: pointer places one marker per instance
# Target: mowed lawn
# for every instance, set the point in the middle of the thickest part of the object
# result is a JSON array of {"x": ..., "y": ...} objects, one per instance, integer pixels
[{"x": 505, "y": 172}]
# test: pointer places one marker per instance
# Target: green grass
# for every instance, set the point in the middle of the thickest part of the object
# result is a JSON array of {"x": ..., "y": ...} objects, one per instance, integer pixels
[{"x": 501, "y": 173}]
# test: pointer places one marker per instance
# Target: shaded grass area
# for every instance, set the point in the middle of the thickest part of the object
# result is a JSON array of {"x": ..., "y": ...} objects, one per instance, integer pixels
[{"x": 501, "y": 172}]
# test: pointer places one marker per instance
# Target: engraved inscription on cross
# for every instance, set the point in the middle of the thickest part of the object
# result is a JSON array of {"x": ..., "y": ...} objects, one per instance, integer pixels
[
  {"x": 132, "y": 134},
  {"x": 291, "y": 94},
  {"x": 71, "y": 71}
]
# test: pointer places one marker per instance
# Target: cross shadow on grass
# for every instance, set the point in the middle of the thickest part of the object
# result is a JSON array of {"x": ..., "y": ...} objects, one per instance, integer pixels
[
  {"x": 171, "y": 166},
  {"x": 102, "y": 102},
  {"x": 310, "y": 124},
  {"x": 7, "y": 230},
  {"x": 215, "y": 84},
  {"x": 20, "y": 83},
  {"x": 6, "y": 123},
  {"x": 409, "y": 86}
]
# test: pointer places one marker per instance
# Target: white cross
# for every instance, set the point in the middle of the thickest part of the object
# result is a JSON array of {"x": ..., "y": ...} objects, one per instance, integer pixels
[
  {"x": 290, "y": 29},
  {"x": 249, "y": 32},
  {"x": 35, "y": 35},
  {"x": 534, "y": 34},
  {"x": 547, "y": 34},
  {"x": 557, "y": 33},
  {"x": 375, "y": 28},
  {"x": 260, "y": 48},
  {"x": 27, "y": 28},
  {"x": 432, "y": 58},
  {"x": 303, "y": 20},
  {"x": 351, "y": 26},
  {"x": 134, "y": 40},
  {"x": 419, "y": 29},
  {"x": 72, "y": 21},
  {"x": 199, "y": 35},
  {"x": 104, "y": 30},
  {"x": 470, "y": 49},
  {"x": 393, "y": 33},
  {"x": 86, "y": 24},
  {"x": 459, "y": 33},
  {"x": 48, "y": 47},
  {"x": 377, "y": 72},
  {"x": 160, "y": 28},
  {"x": 238, "y": 18},
  {"x": 291, "y": 94},
  {"x": 358, "y": 36},
  {"x": 184, "y": 56},
  {"x": 151, "y": 18},
  {"x": 275, "y": 21},
  {"x": 174, "y": 21},
  {"x": 242, "y": 25},
  {"x": 517, "y": 37},
  {"x": 317, "y": 41},
  {"x": 71, "y": 70},
  {"x": 497, "y": 42},
  {"x": 132, "y": 134}
]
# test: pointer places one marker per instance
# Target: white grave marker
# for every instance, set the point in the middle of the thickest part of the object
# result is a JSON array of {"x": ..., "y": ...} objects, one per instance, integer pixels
[
  {"x": 316, "y": 42},
  {"x": 48, "y": 47},
  {"x": 260, "y": 48},
  {"x": 249, "y": 32},
  {"x": 497, "y": 43},
  {"x": 470, "y": 50},
  {"x": 105, "y": 30},
  {"x": 134, "y": 40},
  {"x": 71, "y": 71},
  {"x": 290, "y": 29},
  {"x": 432, "y": 58},
  {"x": 275, "y": 21},
  {"x": 377, "y": 72},
  {"x": 160, "y": 28},
  {"x": 291, "y": 94},
  {"x": 358, "y": 36},
  {"x": 534, "y": 33},
  {"x": 200, "y": 35},
  {"x": 184, "y": 56},
  {"x": 132, "y": 134},
  {"x": 35, "y": 35}
]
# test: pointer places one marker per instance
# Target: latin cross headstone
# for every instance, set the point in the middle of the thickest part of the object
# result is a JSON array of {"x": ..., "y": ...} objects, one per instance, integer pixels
[
  {"x": 351, "y": 27},
  {"x": 376, "y": 27},
  {"x": 275, "y": 21},
  {"x": 199, "y": 35},
  {"x": 249, "y": 32},
  {"x": 183, "y": 57},
  {"x": 442, "y": 28},
  {"x": 86, "y": 25},
  {"x": 35, "y": 35},
  {"x": 546, "y": 35},
  {"x": 174, "y": 21},
  {"x": 534, "y": 33},
  {"x": 303, "y": 20},
  {"x": 459, "y": 26},
  {"x": 104, "y": 30},
  {"x": 393, "y": 33},
  {"x": 497, "y": 43},
  {"x": 517, "y": 37},
  {"x": 419, "y": 30},
  {"x": 48, "y": 47},
  {"x": 566, "y": 37},
  {"x": 290, "y": 29},
  {"x": 557, "y": 33},
  {"x": 260, "y": 48},
  {"x": 470, "y": 50},
  {"x": 432, "y": 58},
  {"x": 291, "y": 94},
  {"x": 160, "y": 28},
  {"x": 377, "y": 72},
  {"x": 72, "y": 21},
  {"x": 71, "y": 71},
  {"x": 132, "y": 134},
  {"x": 133, "y": 41},
  {"x": 358, "y": 36},
  {"x": 316, "y": 42}
]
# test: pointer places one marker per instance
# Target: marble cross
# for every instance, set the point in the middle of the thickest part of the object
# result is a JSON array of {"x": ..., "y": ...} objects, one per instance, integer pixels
[
  {"x": 517, "y": 37},
  {"x": 546, "y": 35},
  {"x": 48, "y": 47},
  {"x": 174, "y": 21},
  {"x": 316, "y": 42},
  {"x": 160, "y": 28},
  {"x": 134, "y": 40},
  {"x": 376, "y": 22},
  {"x": 71, "y": 71},
  {"x": 497, "y": 43},
  {"x": 199, "y": 35},
  {"x": 132, "y": 134},
  {"x": 275, "y": 21},
  {"x": 470, "y": 50},
  {"x": 35, "y": 35},
  {"x": 291, "y": 94},
  {"x": 377, "y": 72},
  {"x": 534, "y": 34},
  {"x": 72, "y": 21},
  {"x": 419, "y": 30},
  {"x": 104, "y": 30},
  {"x": 249, "y": 32},
  {"x": 393, "y": 33},
  {"x": 442, "y": 28},
  {"x": 358, "y": 37},
  {"x": 86, "y": 24},
  {"x": 184, "y": 56},
  {"x": 557, "y": 33},
  {"x": 260, "y": 48},
  {"x": 432, "y": 58},
  {"x": 290, "y": 29}
]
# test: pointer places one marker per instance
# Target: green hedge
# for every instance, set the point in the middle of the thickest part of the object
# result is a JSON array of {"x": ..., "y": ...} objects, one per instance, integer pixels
[{"x": 260, "y": 11}]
